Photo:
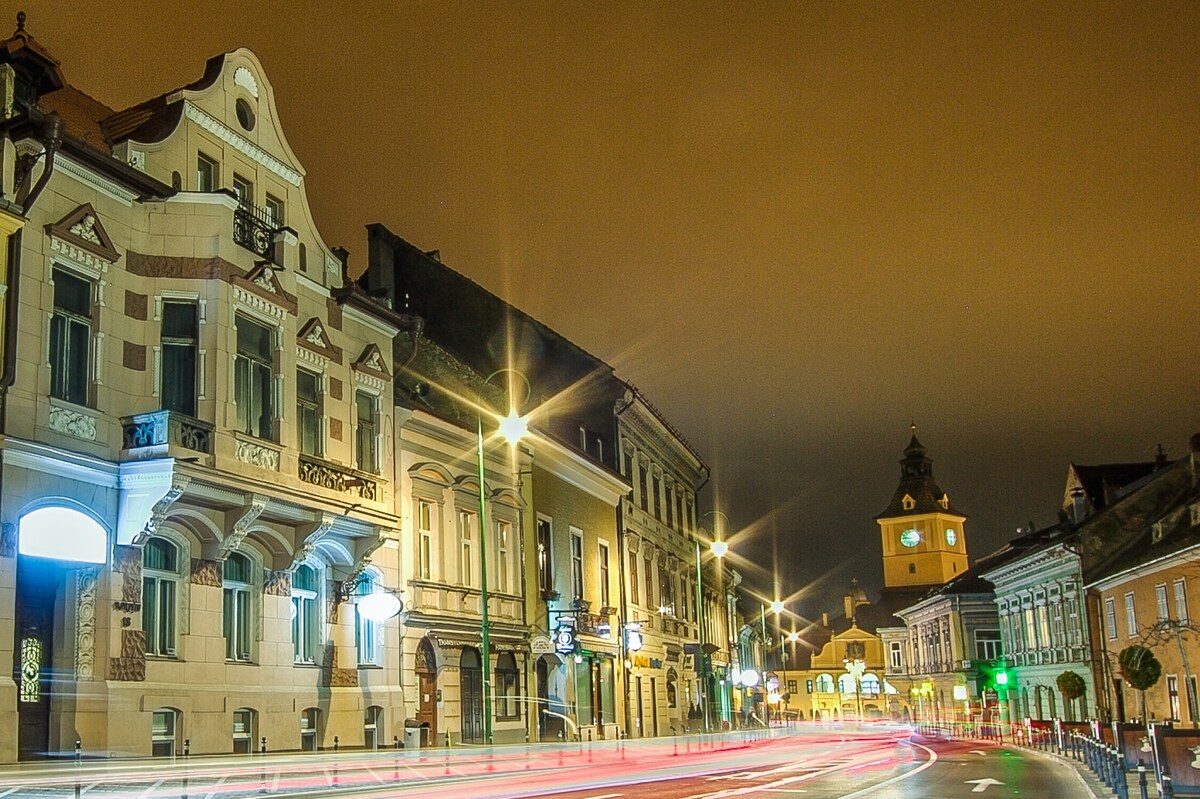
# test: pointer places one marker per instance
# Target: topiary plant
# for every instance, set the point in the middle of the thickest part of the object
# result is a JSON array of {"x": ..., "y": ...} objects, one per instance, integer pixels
[
  {"x": 1140, "y": 669},
  {"x": 1071, "y": 686}
]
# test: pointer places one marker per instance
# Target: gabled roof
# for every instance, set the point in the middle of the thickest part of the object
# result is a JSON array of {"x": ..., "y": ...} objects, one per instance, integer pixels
[
  {"x": 150, "y": 120},
  {"x": 917, "y": 483},
  {"x": 1102, "y": 483}
]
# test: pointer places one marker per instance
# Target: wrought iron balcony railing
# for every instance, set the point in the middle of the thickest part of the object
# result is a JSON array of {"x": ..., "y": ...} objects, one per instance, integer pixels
[
  {"x": 254, "y": 229},
  {"x": 161, "y": 429},
  {"x": 322, "y": 473}
]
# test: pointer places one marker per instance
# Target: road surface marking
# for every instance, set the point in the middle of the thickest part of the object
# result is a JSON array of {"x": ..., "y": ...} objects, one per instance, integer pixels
[
  {"x": 605, "y": 796},
  {"x": 977, "y": 752},
  {"x": 932, "y": 759},
  {"x": 982, "y": 785},
  {"x": 6, "y": 793},
  {"x": 152, "y": 788},
  {"x": 212, "y": 792}
]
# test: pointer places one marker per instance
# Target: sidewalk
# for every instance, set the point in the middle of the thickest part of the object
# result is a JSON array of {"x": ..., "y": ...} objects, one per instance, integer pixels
[{"x": 1095, "y": 787}]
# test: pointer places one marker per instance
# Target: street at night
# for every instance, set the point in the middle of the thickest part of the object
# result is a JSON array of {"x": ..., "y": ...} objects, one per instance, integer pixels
[{"x": 880, "y": 761}]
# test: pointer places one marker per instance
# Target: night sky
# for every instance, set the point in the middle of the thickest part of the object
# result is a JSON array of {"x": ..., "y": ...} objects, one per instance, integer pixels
[{"x": 797, "y": 227}]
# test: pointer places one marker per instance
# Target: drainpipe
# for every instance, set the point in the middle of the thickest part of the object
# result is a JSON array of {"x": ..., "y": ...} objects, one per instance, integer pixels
[{"x": 53, "y": 133}]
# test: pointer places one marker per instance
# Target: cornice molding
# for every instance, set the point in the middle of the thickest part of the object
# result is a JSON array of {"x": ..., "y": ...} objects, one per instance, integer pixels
[{"x": 241, "y": 143}]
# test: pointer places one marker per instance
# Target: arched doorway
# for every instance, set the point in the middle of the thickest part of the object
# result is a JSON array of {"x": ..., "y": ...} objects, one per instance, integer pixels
[
  {"x": 426, "y": 668},
  {"x": 57, "y": 554},
  {"x": 470, "y": 673}
]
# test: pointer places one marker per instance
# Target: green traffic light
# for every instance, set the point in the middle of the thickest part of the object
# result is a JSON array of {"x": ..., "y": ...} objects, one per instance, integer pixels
[{"x": 1002, "y": 678}]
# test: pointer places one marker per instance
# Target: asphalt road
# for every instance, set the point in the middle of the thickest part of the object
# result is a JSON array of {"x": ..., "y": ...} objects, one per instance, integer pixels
[{"x": 810, "y": 762}]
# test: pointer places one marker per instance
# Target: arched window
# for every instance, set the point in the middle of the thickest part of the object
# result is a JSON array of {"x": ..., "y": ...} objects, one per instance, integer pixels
[
  {"x": 869, "y": 683},
  {"x": 160, "y": 586},
  {"x": 507, "y": 687},
  {"x": 824, "y": 684},
  {"x": 238, "y": 582},
  {"x": 368, "y": 634},
  {"x": 305, "y": 617}
]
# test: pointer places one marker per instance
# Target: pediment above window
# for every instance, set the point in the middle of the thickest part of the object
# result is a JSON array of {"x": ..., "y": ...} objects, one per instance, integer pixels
[
  {"x": 373, "y": 364},
  {"x": 314, "y": 339},
  {"x": 82, "y": 232},
  {"x": 263, "y": 282}
]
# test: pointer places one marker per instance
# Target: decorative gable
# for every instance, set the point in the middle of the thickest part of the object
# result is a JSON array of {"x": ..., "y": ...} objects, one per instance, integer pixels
[
  {"x": 313, "y": 340},
  {"x": 372, "y": 364},
  {"x": 81, "y": 236},
  {"x": 263, "y": 282}
]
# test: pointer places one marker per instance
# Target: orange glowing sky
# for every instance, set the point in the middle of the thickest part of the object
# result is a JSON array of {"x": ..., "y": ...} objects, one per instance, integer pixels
[{"x": 796, "y": 226}]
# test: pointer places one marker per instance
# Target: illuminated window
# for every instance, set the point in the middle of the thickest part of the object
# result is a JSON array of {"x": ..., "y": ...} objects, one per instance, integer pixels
[
  {"x": 365, "y": 451},
  {"x": 824, "y": 684},
  {"x": 869, "y": 684},
  {"x": 368, "y": 633},
  {"x": 1160, "y": 600},
  {"x": 503, "y": 551},
  {"x": 1130, "y": 616},
  {"x": 544, "y": 552},
  {"x": 31, "y": 670},
  {"x": 238, "y": 572},
  {"x": 71, "y": 338},
  {"x": 425, "y": 538},
  {"x": 160, "y": 584},
  {"x": 305, "y": 617},
  {"x": 643, "y": 493},
  {"x": 1110, "y": 617}
]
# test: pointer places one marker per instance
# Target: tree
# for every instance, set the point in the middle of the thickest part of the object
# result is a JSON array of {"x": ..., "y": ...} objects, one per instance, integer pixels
[
  {"x": 1071, "y": 686},
  {"x": 1140, "y": 669}
]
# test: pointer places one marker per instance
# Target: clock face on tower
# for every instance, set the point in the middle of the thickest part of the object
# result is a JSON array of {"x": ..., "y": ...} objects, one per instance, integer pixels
[
  {"x": 910, "y": 538},
  {"x": 951, "y": 536}
]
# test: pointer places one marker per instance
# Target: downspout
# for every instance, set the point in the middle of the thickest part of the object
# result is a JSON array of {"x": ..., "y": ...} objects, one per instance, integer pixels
[
  {"x": 622, "y": 645},
  {"x": 53, "y": 130}
]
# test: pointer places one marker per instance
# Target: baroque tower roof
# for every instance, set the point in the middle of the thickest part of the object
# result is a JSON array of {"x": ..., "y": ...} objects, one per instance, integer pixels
[{"x": 918, "y": 492}]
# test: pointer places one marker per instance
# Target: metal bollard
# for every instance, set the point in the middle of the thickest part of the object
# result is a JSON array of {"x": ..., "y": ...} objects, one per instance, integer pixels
[
  {"x": 187, "y": 747},
  {"x": 1142, "y": 780},
  {"x": 335, "y": 743},
  {"x": 395, "y": 741},
  {"x": 262, "y": 746},
  {"x": 78, "y": 750}
]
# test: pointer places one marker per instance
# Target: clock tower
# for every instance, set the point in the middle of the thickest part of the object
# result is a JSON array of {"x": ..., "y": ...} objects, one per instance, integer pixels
[{"x": 923, "y": 540}]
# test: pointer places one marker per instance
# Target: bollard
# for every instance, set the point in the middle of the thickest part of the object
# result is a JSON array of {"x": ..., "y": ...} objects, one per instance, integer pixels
[
  {"x": 674, "y": 743},
  {"x": 1142, "y": 780},
  {"x": 335, "y": 743},
  {"x": 187, "y": 747},
  {"x": 447, "y": 766},
  {"x": 262, "y": 746},
  {"x": 395, "y": 741},
  {"x": 78, "y": 758},
  {"x": 78, "y": 750}
]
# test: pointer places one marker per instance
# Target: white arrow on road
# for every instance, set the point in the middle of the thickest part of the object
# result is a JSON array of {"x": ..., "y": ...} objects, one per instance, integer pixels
[
  {"x": 977, "y": 752},
  {"x": 982, "y": 785}
]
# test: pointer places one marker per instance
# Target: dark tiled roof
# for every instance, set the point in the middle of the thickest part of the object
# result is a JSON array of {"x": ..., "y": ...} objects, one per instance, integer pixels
[
  {"x": 81, "y": 113},
  {"x": 916, "y": 481},
  {"x": 1101, "y": 482}
]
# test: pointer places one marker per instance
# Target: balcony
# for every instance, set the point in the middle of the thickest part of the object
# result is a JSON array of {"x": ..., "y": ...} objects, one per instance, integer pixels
[
  {"x": 338, "y": 478},
  {"x": 254, "y": 229},
  {"x": 148, "y": 435}
]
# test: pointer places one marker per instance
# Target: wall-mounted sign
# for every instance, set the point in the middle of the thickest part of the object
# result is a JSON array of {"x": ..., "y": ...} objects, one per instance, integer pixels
[
  {"x": 541, "y": 645},
  {"x": 564, "y": 640}
]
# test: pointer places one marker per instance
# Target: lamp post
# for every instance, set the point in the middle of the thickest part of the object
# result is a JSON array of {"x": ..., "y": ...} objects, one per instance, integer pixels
[
  {"x": 512, "y": 427},
  {"x": 777, "y": 609},
  {"x": 718, "y": 549},
  {"x": 855, "y": 669}
]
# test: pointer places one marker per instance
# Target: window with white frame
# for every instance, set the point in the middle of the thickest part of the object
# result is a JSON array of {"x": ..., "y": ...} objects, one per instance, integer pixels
[
  {"x": 508, "y": 691},
  {"x": 274, "y": 211},
  {"x": 425, "y": 539},
  {"x": 576, "y": 563},
  {"x": 308, "y": 412},
  {"x": 305, "y": 616},
  {"x": 1130, "y": 616},
  {"x": 237, "y": 602},
  {"x": 71, "y": 338},
  {"x": 366, "y": 456},
  {"x": 160, "y": 586},
  {"x": 987, "y": 644},
  {"x": 368, "y": 633},
  {"x": 1160, "y": 601},
  {"x": 503, "y": 555},
  {"x": 466, "y": 539},
  {"x": 1181, "y": 608},
  {"x": 1110, "y": 617},
  {"x": 896, "y": 655},
  {"x": 254, "y": 378},
  {"x": 206, "y": 173},
  {"x": 180, "y": 345}
]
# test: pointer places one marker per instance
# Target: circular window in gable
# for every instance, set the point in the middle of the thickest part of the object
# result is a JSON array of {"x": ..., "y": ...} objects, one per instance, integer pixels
[{"x": 245, "y": 114}]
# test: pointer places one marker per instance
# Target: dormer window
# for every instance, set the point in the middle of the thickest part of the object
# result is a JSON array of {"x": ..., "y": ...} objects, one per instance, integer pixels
[
  {"x": 908, "y": 502},
  {"x": 944, "y": 501}
]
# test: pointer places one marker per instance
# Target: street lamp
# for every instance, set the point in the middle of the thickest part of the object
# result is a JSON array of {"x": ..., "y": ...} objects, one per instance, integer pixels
[
  {"x": 855, "y": 669},
  {"x": 512, "y": 427},
  {"x": 719, "y": 549}
]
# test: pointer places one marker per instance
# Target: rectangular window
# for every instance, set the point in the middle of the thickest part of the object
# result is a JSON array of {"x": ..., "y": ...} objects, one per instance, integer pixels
[
  {"x": 244, "y": 191},
  {"x": 206, "y": 173},
  {"x": 503, "y": 547},
  {"x": 308, "y": 412},
  {"x": 987, "y": 644},
  {"x": 1073, "y": 631},
  {"x": 679, "y": 511},
  {"x": 604, "y": 590},
  {"x": 236, "y": 607},
  {"x": 656, "y": 491},
  {"x": 544, "y": 553},
  {"x": 254, "y": 378},
  {"x": 71, "y": 338},
  {"x": 1191, "y": 698},
  {"x": 643, "y": 493},
  {"x": 158, "y": 612},
  {"x": 895, "y": 654},
  {"x": 180, "y": 343},
  {"x": 650, "y": 603},
  {"x": 1160, "y": 602},
  {"x": 304, "y": 615},
  {"x": 1173, "y": 695},
  {"x": 368, "y": 639},
  {"x": 666, "y": 591},
  {"x": 425, "y": 538},
  {"x": 1110, "y": 617},
  {"x": 466, "y": 537},
  {"x": 365, "y": 433},
  {"x": 577, "y": 563},
  {"x": 274, "y": 209},
  {"x": 633, "y": 578},
  {"x": 1181, "y": 608},
  {"x": 691, "y": 526},
  {"x": 1130, "y": 616},
  {"x": 670, "y": 513},
  {"x": 628, "y": 461},
  {"x": 683, "y": 599}
]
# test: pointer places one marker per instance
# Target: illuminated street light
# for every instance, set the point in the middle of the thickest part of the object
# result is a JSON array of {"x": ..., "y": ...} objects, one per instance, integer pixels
[
  {"x": 777, "y": 607},
  {"x": 718, "y": 548},
  {"x": 513, "y": 427},
  {"x": 793, "y": 636}
]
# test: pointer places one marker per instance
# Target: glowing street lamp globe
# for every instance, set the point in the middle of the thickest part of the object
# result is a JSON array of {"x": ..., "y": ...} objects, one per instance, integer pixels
[
  {"x": 749, "y": 678},
  {"x": 777, "y": 607},
  {"x": 793, "y": 637},
  {"x": 513, "y": 427},
  {"x": 719, "y": 548},
  {"x": 378, "y": 607}
]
